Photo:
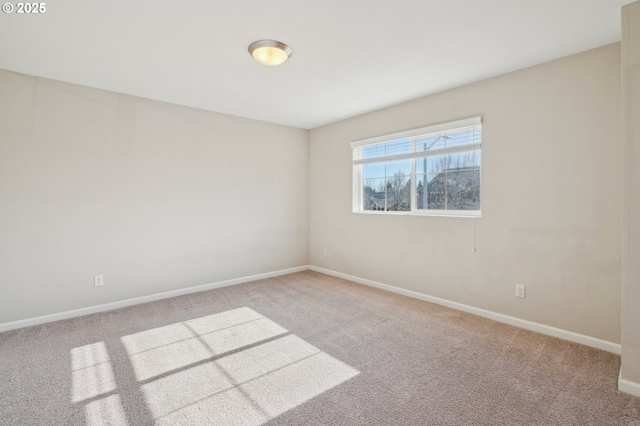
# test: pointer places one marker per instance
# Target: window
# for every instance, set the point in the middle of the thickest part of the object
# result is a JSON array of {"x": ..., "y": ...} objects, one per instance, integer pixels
[{"x": 433, "y": 170}]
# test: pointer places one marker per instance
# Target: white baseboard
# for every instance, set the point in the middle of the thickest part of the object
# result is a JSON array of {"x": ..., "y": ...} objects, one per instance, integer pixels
[
  {"x": 528, "y": 325},
  {"x": 628, "y": 386},
  {"x": 615, "y": 348},
  {"x": 144, "y": 299}
]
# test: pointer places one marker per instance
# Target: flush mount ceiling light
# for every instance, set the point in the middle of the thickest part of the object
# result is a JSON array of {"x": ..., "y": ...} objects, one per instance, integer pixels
[{"x": 270, "y": 52}]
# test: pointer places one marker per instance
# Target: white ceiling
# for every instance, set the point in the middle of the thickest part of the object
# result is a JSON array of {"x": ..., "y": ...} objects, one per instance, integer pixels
[{"x": 349, "y": 56}]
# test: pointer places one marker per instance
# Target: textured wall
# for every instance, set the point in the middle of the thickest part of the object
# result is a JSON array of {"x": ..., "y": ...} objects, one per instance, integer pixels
[
  {"x": 154, "y": 196},
  {"x": 551, "y": 199}
]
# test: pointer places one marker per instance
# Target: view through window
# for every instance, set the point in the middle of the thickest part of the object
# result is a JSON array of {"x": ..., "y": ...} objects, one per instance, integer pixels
[{"x": 431, "y": 170}]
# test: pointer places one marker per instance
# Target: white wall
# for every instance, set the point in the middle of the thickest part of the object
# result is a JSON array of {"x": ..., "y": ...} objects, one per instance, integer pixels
[
  {"x": 154, "y": 196},
  {"x": 551, "y": 199},
  {"x": 630, "y": 369}
]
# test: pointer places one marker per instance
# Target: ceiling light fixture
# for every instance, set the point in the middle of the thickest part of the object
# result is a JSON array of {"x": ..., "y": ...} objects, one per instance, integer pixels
[{"x": 270, "y": 52}]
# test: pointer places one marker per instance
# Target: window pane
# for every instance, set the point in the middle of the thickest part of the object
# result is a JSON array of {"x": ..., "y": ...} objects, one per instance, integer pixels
[
  {"x": 436, "y": 191},
  {"x": 427, "y": 143},
  {"x": 402, "y": 167},
  {"x": 461, "y": 137},
  {"x": 460, "y": 160},
  {"x": 420, "y": 181},
  {"x": 477, "y": 157},
  {"x": 373, "y": 194},
  {"x": 373, "y": 170},
  {"x": 398, "y": 193},
  {"x": 477, "y": 136},
  {"x": 398, "y": 147},
  {"x": 373, "y": 151},
  {"x": 463, "y": 190},
  {"x": 421, "y": 200},
  {"x": 435, "y": 164}
]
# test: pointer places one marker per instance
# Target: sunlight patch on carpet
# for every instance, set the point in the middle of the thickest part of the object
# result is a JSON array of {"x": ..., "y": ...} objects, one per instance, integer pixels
[
  {"x": 254, "y": 370},
  {"x": 105, "y": 411},
  {"x": 263, "y": 398},
  {"x": 91, "y": 372},
  {"x": 233, "y": 368},
  {"x": 164, "y": 350}
]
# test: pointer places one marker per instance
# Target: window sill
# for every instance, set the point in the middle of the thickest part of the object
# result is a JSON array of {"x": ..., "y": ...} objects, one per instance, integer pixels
[{"x": 436, "y": 213}]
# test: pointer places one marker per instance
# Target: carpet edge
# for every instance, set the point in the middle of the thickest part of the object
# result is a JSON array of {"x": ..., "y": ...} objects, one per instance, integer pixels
[
  {"x": 571, "y": 336},
  {"x": 28, "y": 322}
]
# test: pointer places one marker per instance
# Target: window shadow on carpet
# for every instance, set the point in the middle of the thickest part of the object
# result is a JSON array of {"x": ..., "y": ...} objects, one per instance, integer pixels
[{"x": 233, "y": 367}]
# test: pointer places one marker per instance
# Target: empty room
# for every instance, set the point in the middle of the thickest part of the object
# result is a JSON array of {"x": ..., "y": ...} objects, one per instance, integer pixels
[{"x": 320, "y": 213}]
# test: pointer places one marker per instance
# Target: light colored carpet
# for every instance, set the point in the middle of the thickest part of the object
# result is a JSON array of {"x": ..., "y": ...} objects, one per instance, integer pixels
[{"x": 302, "y": 349}]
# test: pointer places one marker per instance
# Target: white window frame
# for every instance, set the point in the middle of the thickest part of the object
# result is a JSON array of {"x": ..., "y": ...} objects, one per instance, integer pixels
[{"x": 413, "y": 135}]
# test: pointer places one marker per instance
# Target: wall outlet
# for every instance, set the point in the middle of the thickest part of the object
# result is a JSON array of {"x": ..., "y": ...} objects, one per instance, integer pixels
[
  {"x": 325, "y": 252},
  {"x": 98, "y": 280},
  {"x": 520, "y": 290}
]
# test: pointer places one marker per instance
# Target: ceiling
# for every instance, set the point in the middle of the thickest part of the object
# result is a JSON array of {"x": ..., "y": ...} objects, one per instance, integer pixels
[{"x": 349, "y": 56}]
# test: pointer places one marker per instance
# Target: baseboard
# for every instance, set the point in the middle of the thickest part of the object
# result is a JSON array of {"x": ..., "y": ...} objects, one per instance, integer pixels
[
  {"x": 627, "y": 386},
  {"x": 528, "y": 325},
  {"x": 144, "y": 299},
  {"x": 624, "y": 385}
]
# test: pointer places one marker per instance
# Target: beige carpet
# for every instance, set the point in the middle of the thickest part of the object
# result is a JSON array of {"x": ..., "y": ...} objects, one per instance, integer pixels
[{"x": 302, "y": 349}]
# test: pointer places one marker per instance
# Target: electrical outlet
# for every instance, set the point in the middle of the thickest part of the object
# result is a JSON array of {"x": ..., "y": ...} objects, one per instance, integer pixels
[
  {"x": 326, "y": 252},
  {"x": 98, "y": 280},
  {"x": 520, "y": 290}
]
